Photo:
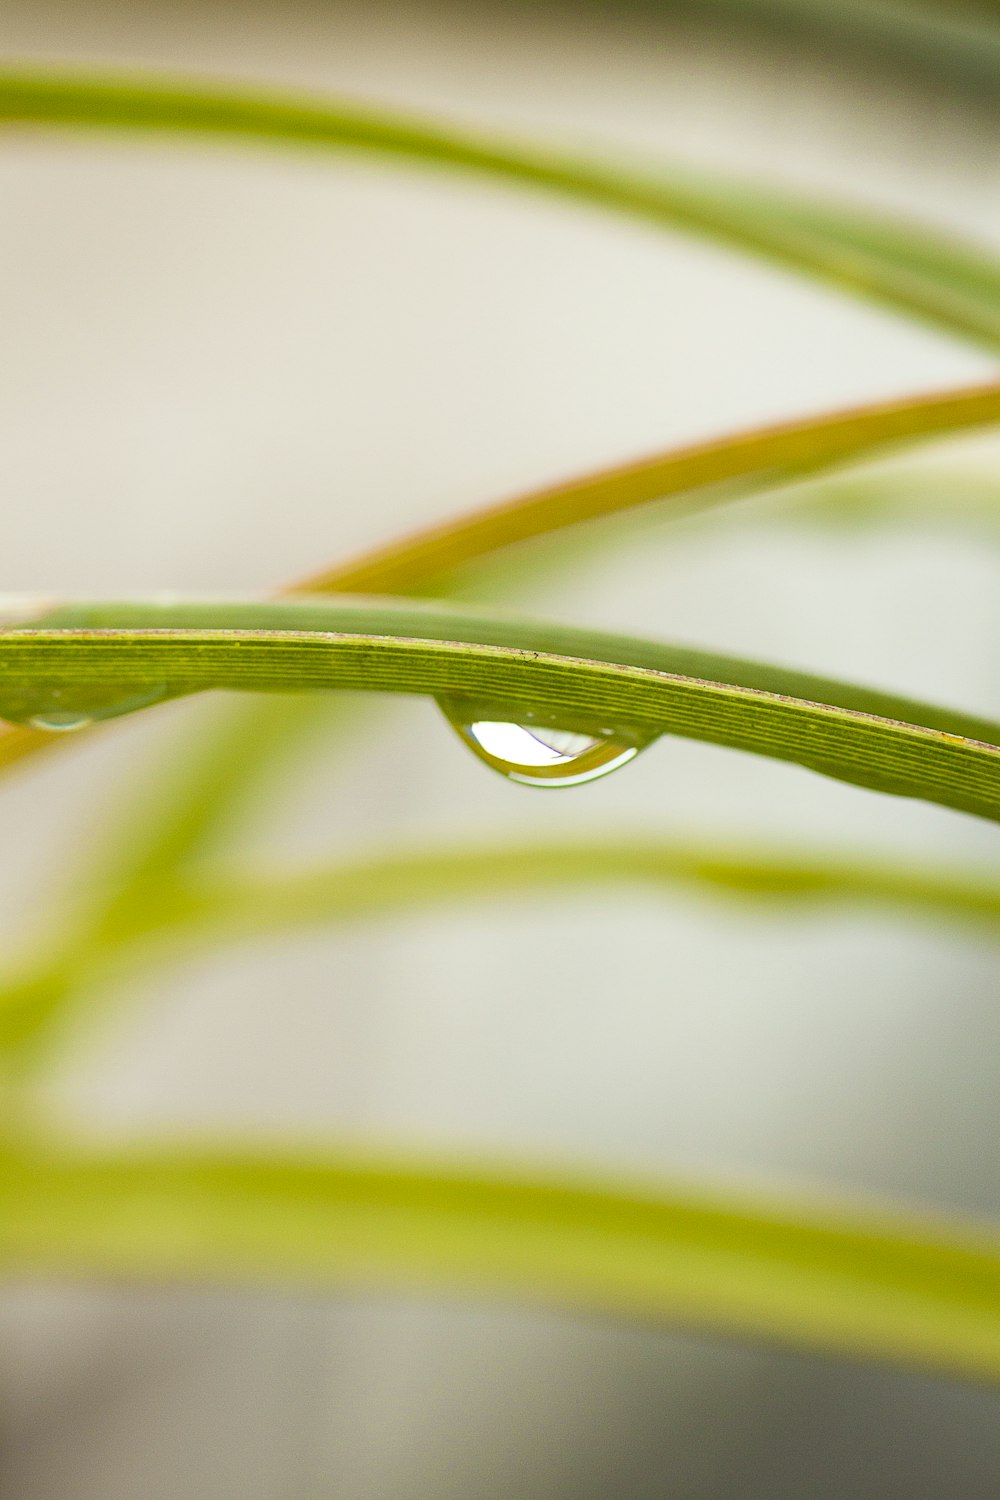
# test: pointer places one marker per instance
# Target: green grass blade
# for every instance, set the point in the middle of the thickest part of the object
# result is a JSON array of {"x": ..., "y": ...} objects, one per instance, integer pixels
[
  {"x": 198, "y": 910},
  {"x": 949, "y": 262},
  {"x": 891, "y": 1288},
  {"x": 244, "y": 905},
  {"x": 719, "y": 470},
  {"x": 93, "y": 657},
  {"x": 840, "y": 246}
]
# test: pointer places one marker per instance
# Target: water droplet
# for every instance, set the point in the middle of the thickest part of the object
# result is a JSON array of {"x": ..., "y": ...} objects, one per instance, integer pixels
[
  {"x": 536, "y": 753},
  {"x": 60, "y": 723},
  {"x": 60, "y": 711}
]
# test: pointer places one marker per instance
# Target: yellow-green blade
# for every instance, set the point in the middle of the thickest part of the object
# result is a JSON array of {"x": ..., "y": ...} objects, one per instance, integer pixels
[
  {"x": 256, "y": 903},
  {"x": 888, "y": 1287},
  {"x": 713, "y": 472}
]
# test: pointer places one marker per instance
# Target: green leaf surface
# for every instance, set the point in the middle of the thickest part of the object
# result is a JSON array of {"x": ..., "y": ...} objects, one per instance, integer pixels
[
  {"x": 893, "y": 1288},
  {"x": 94, "y": 658},
  {"x": 938, "y": 282}
]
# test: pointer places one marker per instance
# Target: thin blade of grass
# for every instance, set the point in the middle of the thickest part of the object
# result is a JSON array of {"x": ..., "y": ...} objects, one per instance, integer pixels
[
  {"x": 244, "y": 904},
  {"x": 839, "y": 246},
  {"x": 105, "y": 652},
  {"x": 893, "y": 1288},
  {"x": 952, "y": 43},
  {"x": 195, "y": 911},
  {"x": 717, "y": 471},
  {"x": 206, "y": 909}
]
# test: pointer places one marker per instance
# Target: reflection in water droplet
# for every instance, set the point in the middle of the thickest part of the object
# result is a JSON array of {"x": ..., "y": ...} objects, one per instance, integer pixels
[
  {"x": 50, "y": 711},
  {"x": 539, "y": 754},
  {"x": 58, "y": 723}
]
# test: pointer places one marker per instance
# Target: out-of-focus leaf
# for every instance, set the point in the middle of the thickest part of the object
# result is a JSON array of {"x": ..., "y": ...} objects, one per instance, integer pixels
[
  {"x": 206, "y": 909},
  {"x": 195, "y": 910},
  {"x": 956, "y": 42},
  {"x": 887, "y": 1287},
  {"x": 706, "y": 473},
  {"x": 839, "y": 245},
  {"x": 244, "y": 905}
]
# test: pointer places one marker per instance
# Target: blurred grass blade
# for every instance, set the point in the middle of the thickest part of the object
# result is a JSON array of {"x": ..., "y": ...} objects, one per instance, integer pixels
[
  {"x": 942, "y": 42},
  {"x": 893, "y": 1289},
  {"x": 192, "y": 911},
  {"x": 89, "y": 658},
  {"x": 949, "y": 262},
  {"x": 716, "y": 471},
  {"x": 244, "y": 905},
  {"x": 840, "y": 246}
]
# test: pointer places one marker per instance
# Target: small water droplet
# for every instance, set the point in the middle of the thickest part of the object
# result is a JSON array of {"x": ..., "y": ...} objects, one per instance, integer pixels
[
  {"x": 57, "y": 723},
  {"x": 60, "y": 711},
  {"x": 536, "y": 753}
]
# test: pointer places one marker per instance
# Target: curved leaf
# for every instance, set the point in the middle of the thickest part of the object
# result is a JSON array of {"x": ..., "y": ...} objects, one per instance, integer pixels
[
  {"x": 843, "y": 247},
  {"x": 890, "y": 1288},
  {"x": 251, "y": 904},
  {"x": 719, "y": 470},
  {"x": 133, "y": 928},
  {"x": 199, "y": 909},
  {"x": 103, "y": 657}
]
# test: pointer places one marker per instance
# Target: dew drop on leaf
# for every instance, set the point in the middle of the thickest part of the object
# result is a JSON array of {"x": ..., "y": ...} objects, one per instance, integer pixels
[
  {"x": 59, "y": 711},
  {"x": 60, "y": 723},
  {"x": 540, "y": 754}
]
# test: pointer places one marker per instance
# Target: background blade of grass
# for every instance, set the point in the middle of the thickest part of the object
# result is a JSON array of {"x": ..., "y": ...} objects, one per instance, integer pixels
[
  {"x": 859, "y": 257},
  {"x": 245, "y": 904},
  {"x": 948, "y": 499},
  {"x": 505, "y": 667},
  {"x": 944, "y": 41},
  {"x": 719, "y": 470},
  {"x": 194, "y": 911},
  {"x": 216, "y": 779},
  {"x": 887, "y": 1288}
]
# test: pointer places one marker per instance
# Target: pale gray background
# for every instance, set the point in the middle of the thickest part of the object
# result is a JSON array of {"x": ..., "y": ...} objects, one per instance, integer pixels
[{"x": 221, "y": 368}]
